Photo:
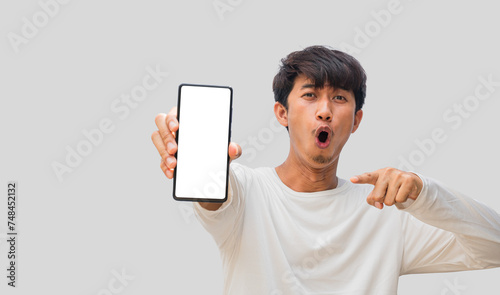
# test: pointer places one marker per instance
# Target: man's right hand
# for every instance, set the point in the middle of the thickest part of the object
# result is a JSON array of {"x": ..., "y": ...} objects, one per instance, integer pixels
[{"x": 164, "y": 141}]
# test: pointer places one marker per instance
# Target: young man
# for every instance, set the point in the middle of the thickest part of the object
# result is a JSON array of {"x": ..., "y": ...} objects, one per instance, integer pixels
[{"x": 299, "y": 229}]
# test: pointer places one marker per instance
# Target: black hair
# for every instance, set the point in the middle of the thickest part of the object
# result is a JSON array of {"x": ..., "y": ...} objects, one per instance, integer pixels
[{"x": 321, "y": 65}]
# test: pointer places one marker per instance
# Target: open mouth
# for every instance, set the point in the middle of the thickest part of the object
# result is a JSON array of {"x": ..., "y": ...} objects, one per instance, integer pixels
[{"x": 323, "y": 135}]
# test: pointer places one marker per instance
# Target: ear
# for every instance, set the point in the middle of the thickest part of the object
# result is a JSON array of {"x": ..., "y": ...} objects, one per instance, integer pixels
[
  {"x": 357, "y": 120},
  {"x": 281, "y": 114}
]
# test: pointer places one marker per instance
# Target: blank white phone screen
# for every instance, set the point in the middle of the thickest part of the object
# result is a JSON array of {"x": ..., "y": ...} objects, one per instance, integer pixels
[{"x": 203, "y": 139}]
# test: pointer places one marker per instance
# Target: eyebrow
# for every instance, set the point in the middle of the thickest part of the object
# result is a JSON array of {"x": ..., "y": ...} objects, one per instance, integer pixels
[{"x": 308, "y": 86}]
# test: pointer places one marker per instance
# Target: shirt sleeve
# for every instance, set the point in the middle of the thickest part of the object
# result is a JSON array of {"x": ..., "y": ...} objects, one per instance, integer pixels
[
  {"x": 448, "y": 231},
  {"x": 224, "y": 224}
]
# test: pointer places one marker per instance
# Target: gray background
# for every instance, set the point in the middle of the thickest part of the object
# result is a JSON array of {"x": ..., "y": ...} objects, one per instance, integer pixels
[{"x": 114, "y": 212}]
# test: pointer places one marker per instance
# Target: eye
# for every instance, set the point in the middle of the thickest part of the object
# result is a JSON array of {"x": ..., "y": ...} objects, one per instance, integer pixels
[
  {"x": 339, "y": 97},
  {"x": 309, "y": 94}
]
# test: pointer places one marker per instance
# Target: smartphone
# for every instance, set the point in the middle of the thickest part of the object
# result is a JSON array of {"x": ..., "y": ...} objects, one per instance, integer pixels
[{"x": 204, "y": 113}]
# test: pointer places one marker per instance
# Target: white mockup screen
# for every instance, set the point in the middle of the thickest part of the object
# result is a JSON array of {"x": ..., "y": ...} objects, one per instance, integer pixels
[{"x": 203, "y": 139}]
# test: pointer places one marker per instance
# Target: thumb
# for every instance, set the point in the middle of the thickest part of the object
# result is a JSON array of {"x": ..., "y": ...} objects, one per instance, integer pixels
[{"x": 234, "y": 151}]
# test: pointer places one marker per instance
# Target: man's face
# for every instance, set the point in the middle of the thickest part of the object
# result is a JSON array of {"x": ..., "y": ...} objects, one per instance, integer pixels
[{"x": 320, "y": 121}]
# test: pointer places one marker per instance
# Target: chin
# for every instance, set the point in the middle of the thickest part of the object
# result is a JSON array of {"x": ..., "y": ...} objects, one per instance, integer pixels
[{"x": 320, "y": 159}]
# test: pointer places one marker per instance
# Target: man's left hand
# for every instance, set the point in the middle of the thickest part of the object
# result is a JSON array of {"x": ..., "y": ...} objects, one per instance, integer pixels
[{"x": 391, "y": 186}]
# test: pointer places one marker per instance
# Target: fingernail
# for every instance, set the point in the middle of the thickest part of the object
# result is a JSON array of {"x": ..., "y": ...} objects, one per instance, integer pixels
[
  {"x": 171, "y": 125},
  {"x": 355, "y": 179},
  {"x": 169, "y": 161},
  {"x": 378, "y": 205},
  {"x": 170, "y": 146}
]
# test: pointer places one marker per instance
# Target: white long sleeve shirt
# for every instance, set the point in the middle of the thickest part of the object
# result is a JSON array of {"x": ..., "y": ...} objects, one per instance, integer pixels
[{"x": 274, "y": 240}]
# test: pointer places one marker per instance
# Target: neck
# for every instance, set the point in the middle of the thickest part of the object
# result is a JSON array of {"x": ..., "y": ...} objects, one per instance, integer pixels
[{"x": 300, "y": 176}]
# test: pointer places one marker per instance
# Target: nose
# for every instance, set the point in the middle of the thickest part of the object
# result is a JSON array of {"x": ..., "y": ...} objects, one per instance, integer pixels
[{"x": 323, "y": 112}]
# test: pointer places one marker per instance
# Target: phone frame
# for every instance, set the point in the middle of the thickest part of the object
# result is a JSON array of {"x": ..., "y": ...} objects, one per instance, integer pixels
[{"x": 228, "y": 141}]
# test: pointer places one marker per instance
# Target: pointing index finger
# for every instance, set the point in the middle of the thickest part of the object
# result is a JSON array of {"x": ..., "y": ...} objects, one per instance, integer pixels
[{"x": 369, "y": 177}]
